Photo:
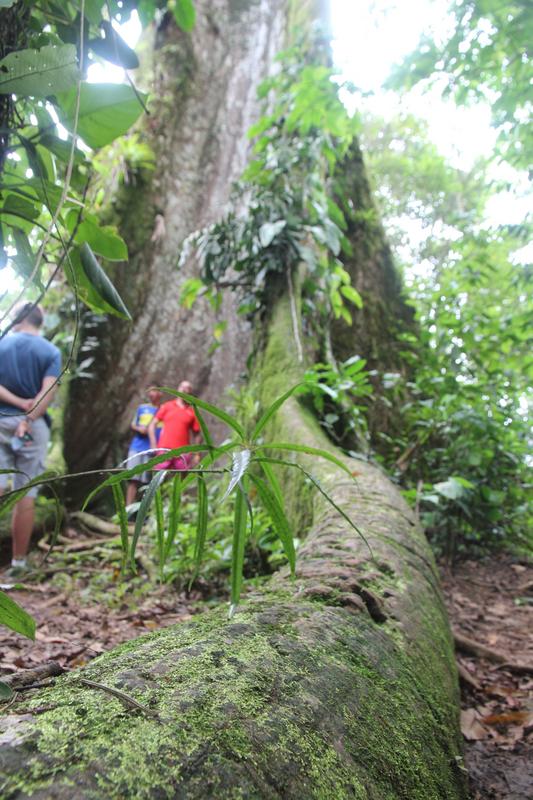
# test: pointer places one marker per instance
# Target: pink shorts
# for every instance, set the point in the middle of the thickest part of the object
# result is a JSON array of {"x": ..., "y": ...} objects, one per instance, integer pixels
[{"x": 181, "y": 463}]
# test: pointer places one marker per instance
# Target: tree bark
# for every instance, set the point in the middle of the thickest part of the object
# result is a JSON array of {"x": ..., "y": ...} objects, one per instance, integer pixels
[
  {"x": 204, "y": 91},
  {"x": 339, "y": 685}
]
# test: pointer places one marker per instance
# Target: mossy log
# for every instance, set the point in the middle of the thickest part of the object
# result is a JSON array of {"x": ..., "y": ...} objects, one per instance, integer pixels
[{"x": 341, "y": 684}]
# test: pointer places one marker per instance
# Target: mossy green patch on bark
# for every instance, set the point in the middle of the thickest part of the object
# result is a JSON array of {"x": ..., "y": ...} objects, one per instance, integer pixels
[{"x": 286, "y": 700}]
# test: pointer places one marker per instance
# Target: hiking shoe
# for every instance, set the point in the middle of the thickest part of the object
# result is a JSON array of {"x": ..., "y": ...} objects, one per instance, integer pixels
[{"x": 16, "y": 572}]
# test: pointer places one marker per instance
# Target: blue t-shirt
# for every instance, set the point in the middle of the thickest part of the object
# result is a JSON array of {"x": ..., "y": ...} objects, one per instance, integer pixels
[
  {"x": 143, "y": 417},
  {"x": 25, "y": 360}
]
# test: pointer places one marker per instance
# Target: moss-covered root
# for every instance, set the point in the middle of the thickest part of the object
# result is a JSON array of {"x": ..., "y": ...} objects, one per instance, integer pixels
[{"x": 288, "y": 700}]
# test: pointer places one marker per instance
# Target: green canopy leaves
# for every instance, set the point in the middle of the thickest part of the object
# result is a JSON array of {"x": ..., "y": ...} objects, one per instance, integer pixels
[{"x": 39, "y": 73}]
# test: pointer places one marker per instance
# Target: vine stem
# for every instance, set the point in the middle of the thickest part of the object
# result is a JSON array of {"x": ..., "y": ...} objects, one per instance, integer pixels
[{"x": 294, "y": 317}]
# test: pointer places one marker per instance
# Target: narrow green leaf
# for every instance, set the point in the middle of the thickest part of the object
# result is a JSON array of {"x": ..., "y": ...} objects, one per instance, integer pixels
[
  {"x": 185, "y": 14},
  {"x": 269, "y": 413},
  {"x": 148, "y": 496},
  {"x": 272, "y": 480},
  {"x": 120, "y": 507},
  {"x": 203, "y": 427},
  {"x": 128, "y": 474},
  {"x": 276, "y": 513},
  {"x": 101, "y": 282},
  {"x": 322, "y": 491},
  {"x": 201, "y": 526},
  {"x": 195, "y": 402},
  {"x": 311, "y": 451},
  {"x": 174, "y": 514},
  {"x": 239, "y": 541},
  {"x": 175, "y": 506},
  {"x": 160, "y": 529},
  {"x": 14, "y": 617}
]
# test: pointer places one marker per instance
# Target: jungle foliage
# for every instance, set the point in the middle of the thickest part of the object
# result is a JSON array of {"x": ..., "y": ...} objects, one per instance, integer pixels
[
  {"x": 51, "y": 118},
  {"x": 485, "y": 56},
  {"x": 461, "y": 436},
  {"x": 283, "y": 212}
]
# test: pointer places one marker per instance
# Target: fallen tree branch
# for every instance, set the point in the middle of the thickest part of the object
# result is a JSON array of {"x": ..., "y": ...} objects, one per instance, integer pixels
[
  {"x": 25, "y": 677},
  {"x": 473, "y": 648},
  {"x": 467, "y": 678},
  {"x": 97, "y": 523},
  {"x": 479, "y": 650}
]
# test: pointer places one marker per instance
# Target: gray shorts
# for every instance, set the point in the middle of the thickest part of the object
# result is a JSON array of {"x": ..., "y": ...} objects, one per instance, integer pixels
[
  {"x": 134, "y": 459},
  {"x": 29, "y": 460}
]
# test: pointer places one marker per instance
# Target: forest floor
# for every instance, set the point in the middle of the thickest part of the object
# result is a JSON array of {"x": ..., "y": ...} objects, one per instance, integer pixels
[
  {"x": 490, "y": 602},
  {"x": 82, "y": 609}
]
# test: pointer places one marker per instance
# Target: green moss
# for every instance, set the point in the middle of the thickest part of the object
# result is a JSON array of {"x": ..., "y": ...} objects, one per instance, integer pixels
[{"x": 287, "y": 699}]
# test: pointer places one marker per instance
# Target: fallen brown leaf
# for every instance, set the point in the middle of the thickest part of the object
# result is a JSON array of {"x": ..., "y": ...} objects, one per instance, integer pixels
[{"x": 471, "y": 728}]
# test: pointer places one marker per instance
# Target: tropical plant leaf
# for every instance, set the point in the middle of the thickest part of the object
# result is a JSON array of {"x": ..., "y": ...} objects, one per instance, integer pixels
[
  {"x": 185, "y": 14},
  {"x": 239, "y": 465},
  {"x": 113, "y": 48},
  {"x": 269, "y": 230},
  {"x": 148, "y": 496},
  {"x": 175, "y": 508},
  {"x": 101, "y": 282},
  {"x": 311, "y": 451},
  {"x": 351, "y": 294},
  {"x": 14, "y": 617},
  {"x": 128, "y": 474},
  {"x": 214, "y": 410},
  {"x": 178, "y": 486},
  {"x": 201, "y": 525},
  {"x": 203, "y": 427},
  {"x": 237, "y": 551},
  {"x": 276, "y": 513},
  {"x": 120, "y": 507},
  {"x": 106, "y": 111},
  {"x": 272, "y": 480},
  {"x": 316, "y": 483},
  {"x": 272, "y": 410},
  {"x": 6, "y": 692},
  {"x": 102, "y": 239},
  {"x": 39, "y": 73},
  {"x": 160, "y": 529}
]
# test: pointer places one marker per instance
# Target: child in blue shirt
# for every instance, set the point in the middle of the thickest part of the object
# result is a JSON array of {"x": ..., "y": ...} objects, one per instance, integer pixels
[{"x": 139, "y": 450}]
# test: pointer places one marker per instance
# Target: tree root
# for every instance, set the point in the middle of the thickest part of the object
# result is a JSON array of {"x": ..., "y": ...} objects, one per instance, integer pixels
[{"x": 479, "y": 650}]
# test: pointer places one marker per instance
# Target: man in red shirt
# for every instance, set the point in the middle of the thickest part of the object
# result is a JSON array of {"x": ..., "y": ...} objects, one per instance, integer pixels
[{"x": 180, "y": 428}]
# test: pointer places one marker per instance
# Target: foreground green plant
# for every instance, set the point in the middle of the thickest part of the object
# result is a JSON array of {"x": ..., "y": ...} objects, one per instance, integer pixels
[{"x": 246, "y": 452}]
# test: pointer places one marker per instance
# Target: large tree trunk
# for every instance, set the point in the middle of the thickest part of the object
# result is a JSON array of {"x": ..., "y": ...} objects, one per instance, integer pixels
[
  {"x": 340, "y": 685},
  {"x": 205, "y": 98}
]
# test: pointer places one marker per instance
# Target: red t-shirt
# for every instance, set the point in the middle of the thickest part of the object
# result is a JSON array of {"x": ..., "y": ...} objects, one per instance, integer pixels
[{"x": 177, "y": 423}]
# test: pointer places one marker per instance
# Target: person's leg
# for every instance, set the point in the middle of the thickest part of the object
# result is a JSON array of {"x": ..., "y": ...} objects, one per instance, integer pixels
[
  {"x": 29, "y": 461},
  {"x": 131, "y": 492},
  {"x": 22, "y": 527}
]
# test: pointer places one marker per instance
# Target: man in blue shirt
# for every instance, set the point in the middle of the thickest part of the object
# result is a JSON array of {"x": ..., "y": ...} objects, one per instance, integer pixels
[{"x": 30, "y": 366}]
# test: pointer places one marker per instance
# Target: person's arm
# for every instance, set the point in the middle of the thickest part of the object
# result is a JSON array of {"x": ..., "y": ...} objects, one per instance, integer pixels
[
  {"x": 14, "y": 400},
  {"x": 43, "y": 398},
  {"x": 142, "y": 429},
  {"x": 151, "y": 433}
]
